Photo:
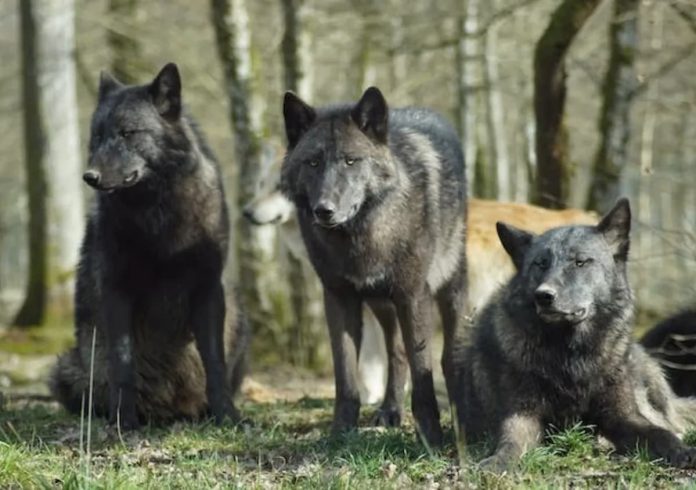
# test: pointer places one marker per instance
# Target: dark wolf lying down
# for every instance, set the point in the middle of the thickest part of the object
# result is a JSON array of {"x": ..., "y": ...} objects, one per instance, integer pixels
[
  {"x": 170, "y": 342},
  {"x": 554, "y": 346}
]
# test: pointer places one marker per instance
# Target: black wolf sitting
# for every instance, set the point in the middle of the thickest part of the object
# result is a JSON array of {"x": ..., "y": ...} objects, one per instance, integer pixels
[{"x": 170, "y": 342}]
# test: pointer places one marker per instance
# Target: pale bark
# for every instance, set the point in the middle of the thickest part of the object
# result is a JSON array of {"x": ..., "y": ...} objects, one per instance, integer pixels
[
  {"x": 615, "y": 124},
  {"x": 264, "y": 296},
  {"x": 55, "y": 152},
  {"x": 549, "y": 100},
  {"x": 469, "y": 78},
  {"x": 305, "y": 335},
  {"x": 497, "y": 134}
]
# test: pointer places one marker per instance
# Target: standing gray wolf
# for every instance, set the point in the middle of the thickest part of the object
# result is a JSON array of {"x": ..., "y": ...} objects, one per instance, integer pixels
[
  {"x": 169, "y": 342},
  {"x": 380, "y": 197},
  {"x": 673, "y": 343},
  {"x": 554, "y": 345}
]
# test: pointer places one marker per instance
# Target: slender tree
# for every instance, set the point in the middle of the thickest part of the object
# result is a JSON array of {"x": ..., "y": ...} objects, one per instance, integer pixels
[
  {"x": 469, "y": 80},
  {"x": 620, "y": 83},
  {"x": 495, "y": 120},
  {"x": 264, "y": 292},
  {"x": 549, "y": 100},
  {"x": 34, "y": 306},
  {"x": 53, "y": 157},
  {"x": 297, "y": 75}
]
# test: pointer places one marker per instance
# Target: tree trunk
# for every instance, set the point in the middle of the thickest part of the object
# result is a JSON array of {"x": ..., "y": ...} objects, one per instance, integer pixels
[
  {"x": 53, "y": 155},
  {"x": 265, "y": 295},
  {"x": 304, "y": 344},
  {"x": 495, "y": 121},
  {"x": 614, "y": 123},
  {"x": 33, "y": 309},
  {"x": 469, "y": 84},
  {"x": 549, "y": 100},
  {"x": 126, "y": 58}
]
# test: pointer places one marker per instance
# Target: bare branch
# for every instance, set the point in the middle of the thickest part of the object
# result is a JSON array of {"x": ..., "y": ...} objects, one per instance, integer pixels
[
  {"x": 665, "y": 68},
  {"x": 686, "y": 15}
]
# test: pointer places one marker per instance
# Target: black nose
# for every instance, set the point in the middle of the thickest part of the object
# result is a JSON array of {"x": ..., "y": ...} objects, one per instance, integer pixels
[
  {"x": 324, "y": 210},
  {"x": 246, "y": 212},
  {"x": 544, "y": 296},
  {"x": 92, "y": 177}
]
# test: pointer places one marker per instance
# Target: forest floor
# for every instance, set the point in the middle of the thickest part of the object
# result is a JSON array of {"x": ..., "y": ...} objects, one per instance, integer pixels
[{"x": 286, "y": 444}]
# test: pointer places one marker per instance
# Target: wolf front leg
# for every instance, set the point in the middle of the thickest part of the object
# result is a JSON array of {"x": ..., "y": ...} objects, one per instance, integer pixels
[
  {"x": 415, "y": 312},
  {"x": 451, "y": 300},
  {"x": 519, "y": 432},
  {"x": 636, "y": 432},
  {"x": 391, "y": 411},
  {"x": 344, "y": 318},
  {"x": 117, "y": 319},
  {"x": 208, "y": 321}
]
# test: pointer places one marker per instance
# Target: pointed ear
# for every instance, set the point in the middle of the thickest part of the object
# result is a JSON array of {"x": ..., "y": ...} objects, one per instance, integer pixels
[
  {"x": 615, "y": 226},
  {"x": 298, "y": 115},
  {"x": 165, "y": 91},
  {"x": 516, "y": 242},
  {"x": 371, "y": 114},
  {"x": 107, "y": 84}
]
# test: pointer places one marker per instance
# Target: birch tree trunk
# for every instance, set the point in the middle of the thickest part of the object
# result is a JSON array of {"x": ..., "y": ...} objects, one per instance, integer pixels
[
  {"x": 614, "y": 123},
  {"x": 265, "y": 295},
  {"x": 469, "y": 81},
  {"x": 549, "y": 100},
  {"x": 497, "y": 135},
  {"x": 305, "y": 334},
  {"x": 53, "y": 156}
]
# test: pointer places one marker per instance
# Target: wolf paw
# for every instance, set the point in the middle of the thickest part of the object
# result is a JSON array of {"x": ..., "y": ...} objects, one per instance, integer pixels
[
  {"x": 387, "y": 417},
  {"x": 682, "y": 458}
]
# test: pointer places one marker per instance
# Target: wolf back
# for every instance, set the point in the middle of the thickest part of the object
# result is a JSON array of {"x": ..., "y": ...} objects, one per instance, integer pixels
[
  {"x": 380, "y": 196},
  {"x": 169, "y": 341}
]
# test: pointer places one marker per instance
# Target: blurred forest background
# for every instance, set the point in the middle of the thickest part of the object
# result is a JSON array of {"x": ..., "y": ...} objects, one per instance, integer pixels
[{"x": 560, "y": 103}]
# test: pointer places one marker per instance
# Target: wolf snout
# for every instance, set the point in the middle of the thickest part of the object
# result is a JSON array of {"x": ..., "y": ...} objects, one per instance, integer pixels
[
  {"x": 544, "y": 296},
  {"x": 92, "y": 178},
  {"x": 324, "y": 211}
]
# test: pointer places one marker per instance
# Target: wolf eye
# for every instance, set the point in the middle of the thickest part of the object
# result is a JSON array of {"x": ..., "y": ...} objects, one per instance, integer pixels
[
  {"x": 313, "y": 163},
  {"x": 127, "y": 133},
  {"x": 352, "y": 160},
  {"x": 581, "y": 262}
]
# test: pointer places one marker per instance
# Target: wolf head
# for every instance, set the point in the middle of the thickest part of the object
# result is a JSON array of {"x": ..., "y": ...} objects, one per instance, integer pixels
[
  {"x": 338, "y": 159},
  {"x": 570, "y": 274},
  {"x": 132, "y": 127}
]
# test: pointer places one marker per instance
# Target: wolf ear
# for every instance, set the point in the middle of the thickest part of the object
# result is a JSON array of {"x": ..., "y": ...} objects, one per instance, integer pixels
[
  {"x": 371, "y": 114},
  {"x": 165, "y": 91},
  {"x": 107, "y": 84},
  {"x": 298, "y": 115},
  {"x": 615, "y": 226},
  {"x": 516, "y": 242}
]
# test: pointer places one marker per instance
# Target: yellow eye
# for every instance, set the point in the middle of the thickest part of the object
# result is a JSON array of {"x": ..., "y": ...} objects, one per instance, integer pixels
[{"x": 350, "y": 161}]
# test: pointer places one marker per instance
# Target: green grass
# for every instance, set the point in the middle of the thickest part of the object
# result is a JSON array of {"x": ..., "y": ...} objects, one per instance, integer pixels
[{"x": 287, "y": 446}]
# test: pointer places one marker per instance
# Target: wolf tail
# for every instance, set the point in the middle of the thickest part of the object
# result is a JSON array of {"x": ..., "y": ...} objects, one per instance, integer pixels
[{"x": 69, "y": 383}]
